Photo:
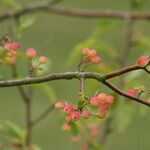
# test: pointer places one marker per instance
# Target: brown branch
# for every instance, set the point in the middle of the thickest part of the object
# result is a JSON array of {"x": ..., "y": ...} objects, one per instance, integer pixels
[
  {"x": 45, "y": 7},
  {"x": 42, "y": 116},
  {"x": 82, "y": 84},
  {"x": 29, "y": 109},
  {"x": 27, "y": 99},
  {"x": 68, "y": 76},
  {"x": 28, "y": 120},
  {"x": 122, "y": 71},
  {"x": 77, "y": 75},
  {"x": 118, "y": 91}
]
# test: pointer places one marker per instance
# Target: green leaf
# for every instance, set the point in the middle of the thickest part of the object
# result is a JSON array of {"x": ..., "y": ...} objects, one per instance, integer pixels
[
  {"x": 48, "y": 90},
  {"x": 25, "y": 23},
  {"x": 74, "y": 129},
  {"x": 11, "y": 130},
  {"x": 107, "y": 25}
]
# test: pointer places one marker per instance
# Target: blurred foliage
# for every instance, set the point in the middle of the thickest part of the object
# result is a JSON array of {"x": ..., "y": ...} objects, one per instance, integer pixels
[
  {"x": 11, "y": 131},
  {"x": 48, "y": 90},
  {"x": 103, "y": 39}
]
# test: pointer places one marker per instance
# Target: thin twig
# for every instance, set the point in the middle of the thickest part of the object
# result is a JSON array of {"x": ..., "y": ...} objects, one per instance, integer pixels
[
  {"x": 107, "y": 130},
  {"x": 82, "y": 84},
  {"x": 29, "y": 109},
  {"x": 20, "y": 88},
  {"x": 42, "y": 116}
]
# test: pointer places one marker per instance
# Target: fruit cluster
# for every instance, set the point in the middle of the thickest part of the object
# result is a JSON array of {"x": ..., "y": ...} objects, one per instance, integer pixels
[
  {"x": 32, "y": 53},
  {"x": 100, "y": 103},
  {"x": 90, "y": 56},
  {"x": 8, "y": 50}
]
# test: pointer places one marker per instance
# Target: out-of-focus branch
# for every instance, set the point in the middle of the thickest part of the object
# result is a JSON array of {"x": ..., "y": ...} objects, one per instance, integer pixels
[
  {"x": 123, "y": 60},
  {"x": 42, "y": 115},
  {"x": 20, "y": 88},
  {"x": 47, "y": 7},
  {"x": 107, "y": 130}
]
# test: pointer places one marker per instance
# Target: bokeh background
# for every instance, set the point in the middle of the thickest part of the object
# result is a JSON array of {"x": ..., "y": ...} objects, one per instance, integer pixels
[{"x": 56, "y": 37}]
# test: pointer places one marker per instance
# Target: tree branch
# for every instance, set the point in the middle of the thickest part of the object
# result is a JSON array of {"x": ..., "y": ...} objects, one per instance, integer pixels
[
  {"x": 118, "y": 91},
  {"x": 68, "y": 76},
  {"x": 78, "y": 75},
  {"x": 122, "y": 71},
  {"x": 45, "y": 7},
  {"x": 42, "y": 116}
]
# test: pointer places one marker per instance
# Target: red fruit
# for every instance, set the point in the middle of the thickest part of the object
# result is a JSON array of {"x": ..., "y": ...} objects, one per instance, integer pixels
[
  {"x": 75, "y": 116},
  {"x": 102, "y": 113},
  {"x": 31, "y": 53},
  {"x": 102, "y": 97},
  {"x": 12, "y": 46},
  {"x": 132, "y": 92},
  {"x": 85, "y": 51},
  {"x": 110, "y": 99},
  {"x": 59, "y": 105},
  {"x": 68, "y": 109},
  {"x": 86, "y": 114},
  {"x": 43, "y": 60},
  {"x": 96, "y": 59},
  {"x": 105, "y": 106},
  {"x": 92, "y": 53},
  {"x": 95, "y": 101},
  {"x": 66, "y": 127},
  {"x": 143, "y": 61}
]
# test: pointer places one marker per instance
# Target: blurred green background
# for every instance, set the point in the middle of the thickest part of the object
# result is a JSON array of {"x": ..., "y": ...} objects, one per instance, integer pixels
[{"x": 56, "y": 36}]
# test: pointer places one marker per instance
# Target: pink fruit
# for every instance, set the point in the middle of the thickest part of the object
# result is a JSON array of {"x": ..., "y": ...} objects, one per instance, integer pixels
[
  {"x": 102, "y": 113},
  {"x": 75, "y": 116},
  {"x": 143, "y": 61},
  {"x": 68, "y": 109},
  {"x": 59, "y": 105},
  {"x": 132, "y": 92},
  {"x": 86, "y": 114},
  {"x": 95, "y": 101},
  {"x": 43, "y": 60},
  {"x": 31, "y": 53}
]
